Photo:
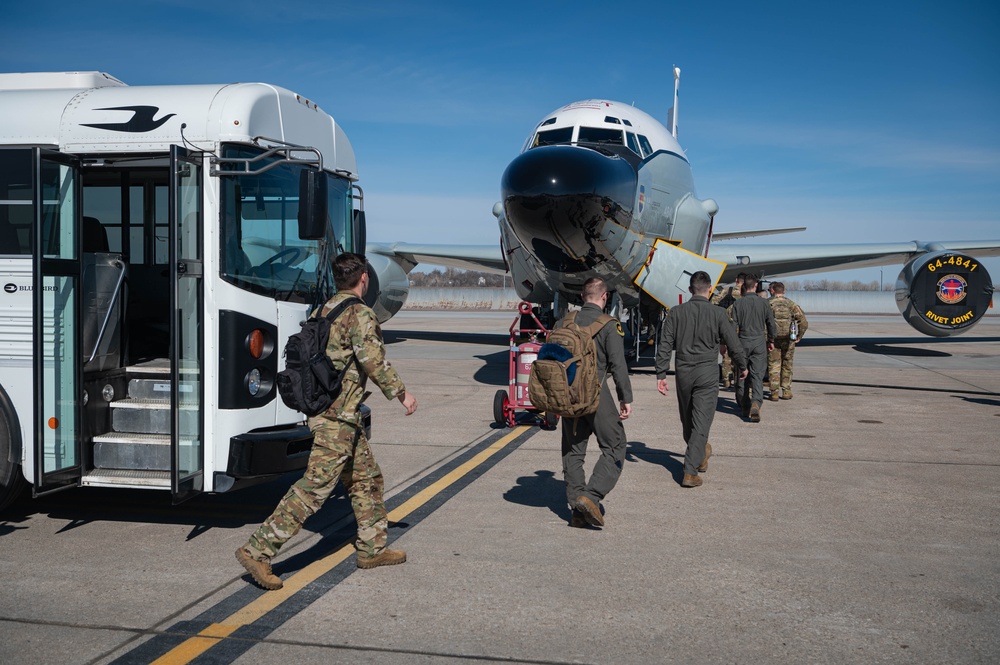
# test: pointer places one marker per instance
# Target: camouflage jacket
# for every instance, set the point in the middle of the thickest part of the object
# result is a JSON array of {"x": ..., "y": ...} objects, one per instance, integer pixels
[
  {"x": 785, "y": 311},
  {"x": 725, "y": 296},
  {"x": 356, "y": 341}
]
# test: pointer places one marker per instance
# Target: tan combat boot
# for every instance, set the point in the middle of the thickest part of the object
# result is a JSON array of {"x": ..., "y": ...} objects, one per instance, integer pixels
[
  {"x": 786, "y": 394},
  {"x": 704, "y": 463},
  {"x": 591, "y": 511},
  {"x": 260, "y": 571},
  {"x": 755, "y": 414},
  {"x": 386, "y": 557},
  {"x": 774, "y": 395},
  {"x": 691, "y": 481}
]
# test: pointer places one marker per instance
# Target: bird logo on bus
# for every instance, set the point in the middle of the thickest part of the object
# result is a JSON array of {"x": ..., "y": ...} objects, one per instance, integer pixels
[{"x": 951, "y": 289}]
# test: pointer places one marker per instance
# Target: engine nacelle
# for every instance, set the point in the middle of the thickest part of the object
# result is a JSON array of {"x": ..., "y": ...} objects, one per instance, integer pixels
[
  {"x": 943, "y": 293},
  {"x": 388, "y": 286}
]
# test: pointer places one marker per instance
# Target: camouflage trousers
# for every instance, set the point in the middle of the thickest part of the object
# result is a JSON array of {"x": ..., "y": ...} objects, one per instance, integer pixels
[
  {"x": 340, "y": 452},
  {"x": 727, "y": 366},
  {"x": 779, "y": 364}
]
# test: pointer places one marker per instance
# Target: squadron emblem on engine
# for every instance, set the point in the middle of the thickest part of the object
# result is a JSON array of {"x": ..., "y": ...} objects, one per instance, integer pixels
[{"x": 951, "y": 289}]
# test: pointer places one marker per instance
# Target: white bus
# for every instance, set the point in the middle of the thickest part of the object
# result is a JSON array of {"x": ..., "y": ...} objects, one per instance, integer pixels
[{"x": 158, "y": 244}]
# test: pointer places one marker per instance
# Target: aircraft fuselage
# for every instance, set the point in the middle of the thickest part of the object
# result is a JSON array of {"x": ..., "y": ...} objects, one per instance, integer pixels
[{"x": 597, "y": 183}]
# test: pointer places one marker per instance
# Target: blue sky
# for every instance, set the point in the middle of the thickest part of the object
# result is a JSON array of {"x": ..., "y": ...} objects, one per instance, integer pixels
[{"x": 864, "y": 121}]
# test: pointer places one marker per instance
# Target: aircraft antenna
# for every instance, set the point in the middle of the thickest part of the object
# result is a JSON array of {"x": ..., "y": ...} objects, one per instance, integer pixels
[{"x": 673, "y": 110}]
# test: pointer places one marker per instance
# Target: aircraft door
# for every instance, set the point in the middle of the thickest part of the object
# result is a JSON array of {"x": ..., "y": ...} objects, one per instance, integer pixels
[
  {"x": 57, "y": 299},
  {"x": 187, "y": 427}
]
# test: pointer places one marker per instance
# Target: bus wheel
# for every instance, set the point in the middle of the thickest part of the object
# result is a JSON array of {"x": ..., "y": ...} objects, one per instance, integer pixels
[{"x": 11, "y": 481}]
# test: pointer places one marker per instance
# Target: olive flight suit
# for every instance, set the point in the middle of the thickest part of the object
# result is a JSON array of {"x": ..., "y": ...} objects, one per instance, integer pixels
[
  {"x": 755, "y": 322},
  {"x": 695, "y": 330},
  {"x": 604, "y": 422},
  {"x": 725, "y": 298}
]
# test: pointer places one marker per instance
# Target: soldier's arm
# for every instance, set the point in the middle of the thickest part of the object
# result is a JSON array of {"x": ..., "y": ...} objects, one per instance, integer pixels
[
  {"x": 772, "y": 329},
  {"x": 614, "y": 350},
  {"x": 666, "y": 345},
  {"x": 801, "y": 318},
  {"x": 727, "y": 331},
  {"x": 366, "y": 341}
]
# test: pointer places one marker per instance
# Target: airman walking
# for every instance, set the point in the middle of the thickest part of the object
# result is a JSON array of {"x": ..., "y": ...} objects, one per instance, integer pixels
[
  {"x": 725, "y": 297},
  {"x": 791, "y": 325}
]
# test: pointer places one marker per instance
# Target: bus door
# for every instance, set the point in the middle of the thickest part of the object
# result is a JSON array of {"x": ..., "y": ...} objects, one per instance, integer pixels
[
  {"x": 187, "y": 428},
  {"x": 56, "y": 336}
]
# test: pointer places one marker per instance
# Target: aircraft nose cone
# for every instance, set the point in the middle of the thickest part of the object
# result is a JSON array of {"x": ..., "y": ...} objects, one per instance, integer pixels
[{"x": 558, "y": 200}]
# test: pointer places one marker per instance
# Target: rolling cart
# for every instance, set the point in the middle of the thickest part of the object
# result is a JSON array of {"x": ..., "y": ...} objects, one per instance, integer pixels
[{"x": 527, "y": 334}]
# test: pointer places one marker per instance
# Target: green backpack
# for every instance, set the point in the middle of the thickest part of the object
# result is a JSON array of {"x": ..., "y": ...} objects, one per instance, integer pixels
[{"x": 564, "y": 379}]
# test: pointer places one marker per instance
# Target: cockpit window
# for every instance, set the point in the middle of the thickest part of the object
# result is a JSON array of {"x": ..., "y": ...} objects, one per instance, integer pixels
[
  {"x": 633, "y": 145},
  {"x": 627, "y": 122},
  {"x": 550, "y": 121},
  {"x": 647, "y": 149},
  {"x": 553, "y": 136},
  {"x": 614, "y": 121},
  {"x": 600, "y": 135}
]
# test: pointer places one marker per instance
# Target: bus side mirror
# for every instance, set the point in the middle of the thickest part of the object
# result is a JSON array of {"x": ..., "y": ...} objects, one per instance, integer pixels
[
  {"x": 359, "y": 232},
  {"x": 312, "y": 205}
]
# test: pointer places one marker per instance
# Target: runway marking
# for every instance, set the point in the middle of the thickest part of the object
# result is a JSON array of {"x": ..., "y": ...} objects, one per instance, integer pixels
[{"x": 248, "y": 618}]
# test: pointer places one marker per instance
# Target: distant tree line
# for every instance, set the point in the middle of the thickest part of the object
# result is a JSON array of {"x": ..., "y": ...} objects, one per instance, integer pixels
[
  {"x": 834, "y": 285},
  {"x": 450, "y": 277},
  {"x": 455, "y": 277}
]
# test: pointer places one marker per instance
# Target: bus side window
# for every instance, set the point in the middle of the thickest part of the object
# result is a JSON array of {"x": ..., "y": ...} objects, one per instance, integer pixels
[
  {"x": 9, "y": 242},
  {"x": 95, "y": 237}
]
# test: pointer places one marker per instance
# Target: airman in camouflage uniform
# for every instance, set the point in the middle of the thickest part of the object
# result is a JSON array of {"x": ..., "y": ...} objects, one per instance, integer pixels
[
  {"x": 781, "y": 357},
  {"x": 725, "y": 297},
  {"x": 340, "y": 450}
]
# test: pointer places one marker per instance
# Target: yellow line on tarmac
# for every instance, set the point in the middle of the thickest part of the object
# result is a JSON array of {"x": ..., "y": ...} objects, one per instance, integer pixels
[{"x": 215, "y": 633}]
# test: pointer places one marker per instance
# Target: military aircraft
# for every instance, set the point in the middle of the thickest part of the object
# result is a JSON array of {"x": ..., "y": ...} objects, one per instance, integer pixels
[{"x": 601, "y": 188}]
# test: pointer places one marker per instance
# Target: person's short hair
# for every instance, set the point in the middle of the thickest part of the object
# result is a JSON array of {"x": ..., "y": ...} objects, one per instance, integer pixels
[
  {"x": 347, "y": 270},
  {"x": 700, "y": 282},
  {"x": 751, "y": 281},
  {"x": 593, "y": 289},
  {"x": 742, "y": 275},
  {"x": 777, "y": 288}
]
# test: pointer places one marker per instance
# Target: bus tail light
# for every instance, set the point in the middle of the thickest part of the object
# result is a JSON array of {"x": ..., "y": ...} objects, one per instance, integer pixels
[
  {"x": 248, "y": 360},
  {"x": 255, "y": 343}
]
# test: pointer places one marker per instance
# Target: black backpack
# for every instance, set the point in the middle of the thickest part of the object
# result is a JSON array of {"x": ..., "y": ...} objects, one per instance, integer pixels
[{"x": 309, "y": 383}]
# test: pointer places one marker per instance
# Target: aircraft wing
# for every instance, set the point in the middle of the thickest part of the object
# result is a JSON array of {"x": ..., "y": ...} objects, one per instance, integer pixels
[
  {"x": 802, "y": 259},
  {"x": 735, "y": 235},
  {"x": 488, "y": 258}
]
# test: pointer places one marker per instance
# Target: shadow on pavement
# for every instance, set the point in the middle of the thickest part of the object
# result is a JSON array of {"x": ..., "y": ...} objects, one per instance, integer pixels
[
  {"x": 246, "y": 507},
  {"x": 672, "y": 462},
  {"x": 882, "y": 386},
  {"x": 492, "y": 339},
  {"x": 542, "y": 490}
]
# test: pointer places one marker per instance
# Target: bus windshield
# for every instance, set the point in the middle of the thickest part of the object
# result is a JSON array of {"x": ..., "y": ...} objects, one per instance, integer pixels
[{"x": 261, "y": 248}]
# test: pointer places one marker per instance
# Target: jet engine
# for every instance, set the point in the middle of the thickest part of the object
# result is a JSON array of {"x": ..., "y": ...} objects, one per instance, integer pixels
[
  {"x": 943, "y": 293},
  {"x": 388, "y": 286}
]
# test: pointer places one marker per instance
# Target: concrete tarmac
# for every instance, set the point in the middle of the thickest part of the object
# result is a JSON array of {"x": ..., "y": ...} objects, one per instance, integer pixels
[{"x": 857, "y": 523}]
